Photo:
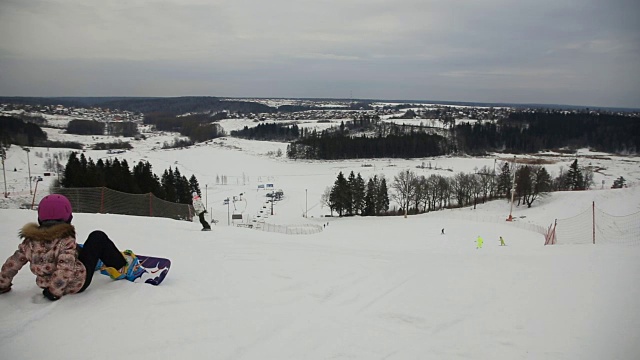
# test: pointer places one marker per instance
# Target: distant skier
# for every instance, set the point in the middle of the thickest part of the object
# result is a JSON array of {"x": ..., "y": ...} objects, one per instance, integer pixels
[
  {"x": 479, "y": 242},
  {"x": 199, "y": 208},
  {"x": 442, "y": 232},
  {"x": 502, "y": 242}
]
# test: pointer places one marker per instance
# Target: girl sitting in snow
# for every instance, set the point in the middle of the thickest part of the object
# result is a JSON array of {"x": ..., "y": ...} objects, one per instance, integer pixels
[{"x": 60, "y": 265}]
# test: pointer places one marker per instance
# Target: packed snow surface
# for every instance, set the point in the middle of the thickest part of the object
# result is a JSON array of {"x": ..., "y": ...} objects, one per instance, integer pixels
[{"x": 363, "y": 288}]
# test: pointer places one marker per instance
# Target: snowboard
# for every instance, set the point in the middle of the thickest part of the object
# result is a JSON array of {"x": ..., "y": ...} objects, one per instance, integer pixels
[{"x": 150, "y": 270}]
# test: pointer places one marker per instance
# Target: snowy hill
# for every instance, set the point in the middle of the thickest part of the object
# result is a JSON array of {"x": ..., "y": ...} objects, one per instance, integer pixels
[{"x": 363, "y": 288}]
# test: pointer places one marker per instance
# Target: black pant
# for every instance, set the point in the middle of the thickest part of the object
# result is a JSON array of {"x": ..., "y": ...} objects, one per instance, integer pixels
[
  {"x": 205, "y": 224},
  {"x": 99, "y": 247}
]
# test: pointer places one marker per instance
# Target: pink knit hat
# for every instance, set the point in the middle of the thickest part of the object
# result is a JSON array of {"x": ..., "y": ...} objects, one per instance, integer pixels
[{"x": 54, "y": 207}]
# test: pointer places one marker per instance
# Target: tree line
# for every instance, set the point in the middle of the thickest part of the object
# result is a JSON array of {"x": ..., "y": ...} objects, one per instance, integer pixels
[
  {"x": 16, "y": 131},
  {"x": 198, "y": 127},
  {"x": 533, "y": 131},
  {"x": 85, "y": 127},
  {"x": 269, "y": 131},
  {"x": 26, "y": 133},
  {"x": 335, "y": 145},
  {"x": 116, "y": 175},
  {"x": 416, "y": 194},
  {"x": 93, "y": 127},
  {"x": 362, "y": 105},
  {"x": 353, "y": 196},
  {"x": 186, "y": 104},
  {"x": 520, "y": 132}
]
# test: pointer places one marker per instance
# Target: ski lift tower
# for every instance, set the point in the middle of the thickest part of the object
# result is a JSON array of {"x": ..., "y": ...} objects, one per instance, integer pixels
[
  {"x": 29, "y": 166},
  {"x": 3, "y": 155},
  {"x": 513, "y": 189},
  {"x": 238, "y": 214}
]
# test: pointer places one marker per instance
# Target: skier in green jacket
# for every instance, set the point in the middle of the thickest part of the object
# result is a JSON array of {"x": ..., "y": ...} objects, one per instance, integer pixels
[{"x": 479, "y": 242}]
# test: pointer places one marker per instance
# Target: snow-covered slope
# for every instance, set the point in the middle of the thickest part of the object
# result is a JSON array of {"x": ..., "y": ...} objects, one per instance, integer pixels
[{"x": 363, "y": 288}]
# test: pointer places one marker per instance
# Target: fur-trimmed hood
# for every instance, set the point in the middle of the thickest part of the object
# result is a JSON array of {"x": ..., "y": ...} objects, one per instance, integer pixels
[
  {"x": 33, "y": 231},
  {"x": 52, "y": 254}
]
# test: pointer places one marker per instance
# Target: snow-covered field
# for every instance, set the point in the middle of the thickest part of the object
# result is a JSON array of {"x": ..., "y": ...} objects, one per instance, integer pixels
[{"x": 363, "y": 288}]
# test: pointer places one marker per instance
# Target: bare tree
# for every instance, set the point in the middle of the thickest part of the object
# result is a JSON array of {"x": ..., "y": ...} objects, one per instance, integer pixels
[
  {"x": 404, "y": 186},
  {"x": 445, "y": 186},
  {"x": 476, "y": 187},
  {"x": 433, "y": 192},
  {"x": 462, "y": 188},
  {"x": 587, "y": 175},
  {"x": 325, "y": 199},
  {"x": 486, "y": 182},
  {"x": 421, "y": 198}
]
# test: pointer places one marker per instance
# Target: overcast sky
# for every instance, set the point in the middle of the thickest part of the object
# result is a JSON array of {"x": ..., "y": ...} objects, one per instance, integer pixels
[{"x": 580, "y": 52}]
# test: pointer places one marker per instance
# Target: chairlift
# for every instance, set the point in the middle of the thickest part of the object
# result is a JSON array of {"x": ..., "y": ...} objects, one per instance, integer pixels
[{"x": 239, "y": 208}]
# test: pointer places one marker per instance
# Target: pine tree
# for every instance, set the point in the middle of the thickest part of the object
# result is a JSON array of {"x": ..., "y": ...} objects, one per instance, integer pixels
[
  {"x": 350, "y": 194},
  {"x": 575, "y": 179},
  {"x": 292, "y": 151},
  {"x": 504, "y": 180},
  {"x": 101, "y": 173},
  {"x": 92, "y": 174},
  {"x": 183, "y": 194},
  {"x": 383, "y": 197},
  {"x": 139, "y": 176},
  {"x": 113, "y": 175},
  {"x": 370, "y": 197},
  {"x": 194, "y": 186},
  {"x": 524, "y": 184},
  {"x": 72, "y": 172},
  {"x": 340, "y": 195},
  {"x": 358, "y": 192},
  {"x": 158, "y": 190},
  {"x": 532, "y": 182},
  {"x": 146, "y": 181},
  {"x": 169, "y": 186},
  {"x": 83, "y": 166},
  {"x": 128, "y": 183},
  {"x": 543, "y": 182}
]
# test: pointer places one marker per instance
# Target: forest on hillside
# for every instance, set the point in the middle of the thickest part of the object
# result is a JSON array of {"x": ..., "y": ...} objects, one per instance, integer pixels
[
  {"x": 15, "y": 131},
  {"x": 365, "y": 135},
  {"x": 169, "y": 105},
  {"x": 521, "y": 132}
]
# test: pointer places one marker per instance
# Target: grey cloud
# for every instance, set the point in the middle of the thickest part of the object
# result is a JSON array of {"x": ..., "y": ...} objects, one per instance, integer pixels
[{"x": 561, "y": 51}]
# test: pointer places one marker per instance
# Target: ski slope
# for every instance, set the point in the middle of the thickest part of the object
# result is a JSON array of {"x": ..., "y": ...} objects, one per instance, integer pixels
[{"x": 363, "y": 288}]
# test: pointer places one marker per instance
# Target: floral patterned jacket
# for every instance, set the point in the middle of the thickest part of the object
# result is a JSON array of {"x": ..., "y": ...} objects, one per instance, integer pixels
[{"x": 53, "y": 258}]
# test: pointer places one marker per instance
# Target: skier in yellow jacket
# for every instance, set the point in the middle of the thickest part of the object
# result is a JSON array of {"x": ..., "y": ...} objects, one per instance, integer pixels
[{"x": 479, "y": 242}]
